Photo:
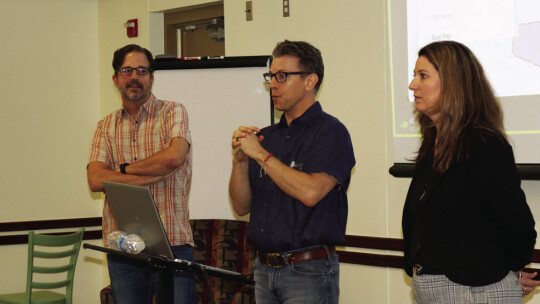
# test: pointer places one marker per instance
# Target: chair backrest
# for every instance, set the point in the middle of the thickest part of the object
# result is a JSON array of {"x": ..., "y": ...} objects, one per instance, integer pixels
[
  {"x": 222, "y": 243},
  {"x": 42, "y": 250}
]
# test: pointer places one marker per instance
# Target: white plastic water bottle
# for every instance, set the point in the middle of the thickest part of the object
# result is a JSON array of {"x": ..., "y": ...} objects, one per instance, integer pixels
[{"x": 126, "y": 242}]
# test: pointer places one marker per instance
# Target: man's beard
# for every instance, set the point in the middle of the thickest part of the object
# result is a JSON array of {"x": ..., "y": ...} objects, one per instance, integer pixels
[{"x": 132, "y": 96}]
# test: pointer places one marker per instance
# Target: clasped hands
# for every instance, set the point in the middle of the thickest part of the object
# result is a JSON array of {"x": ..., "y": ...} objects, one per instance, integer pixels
[{"x": 246, "y": 143}]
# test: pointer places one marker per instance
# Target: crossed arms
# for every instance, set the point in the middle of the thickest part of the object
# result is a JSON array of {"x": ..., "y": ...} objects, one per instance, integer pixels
[{"x": 148, "y": 171}]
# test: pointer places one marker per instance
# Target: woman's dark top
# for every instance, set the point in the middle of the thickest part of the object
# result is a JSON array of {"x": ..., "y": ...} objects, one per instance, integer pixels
[{"x": 472, "y": 223}]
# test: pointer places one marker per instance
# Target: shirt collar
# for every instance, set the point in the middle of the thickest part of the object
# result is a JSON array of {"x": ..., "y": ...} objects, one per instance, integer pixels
[
  {"x": 150, "y": 104},
  {"x": 307, "y": 118}
]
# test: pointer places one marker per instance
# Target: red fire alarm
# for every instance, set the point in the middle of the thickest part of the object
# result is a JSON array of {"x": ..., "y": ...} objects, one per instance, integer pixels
[{"x": 132, "y": 28}]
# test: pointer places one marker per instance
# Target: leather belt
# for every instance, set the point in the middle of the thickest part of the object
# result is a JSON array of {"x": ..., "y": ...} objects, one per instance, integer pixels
[{"x": 277, "y": 260}]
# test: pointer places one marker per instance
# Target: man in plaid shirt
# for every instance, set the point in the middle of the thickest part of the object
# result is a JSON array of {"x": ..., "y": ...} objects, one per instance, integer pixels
[{"x": 147, "y": 142}]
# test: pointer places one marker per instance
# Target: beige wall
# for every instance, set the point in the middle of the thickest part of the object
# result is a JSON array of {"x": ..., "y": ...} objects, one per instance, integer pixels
[
  {"x": 50, "y": 94},
  {"x": 57, "y": 57}
]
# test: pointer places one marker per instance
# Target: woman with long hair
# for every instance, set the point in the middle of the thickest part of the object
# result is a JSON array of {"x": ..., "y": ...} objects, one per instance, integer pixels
[{"x": 467, "y": 228}]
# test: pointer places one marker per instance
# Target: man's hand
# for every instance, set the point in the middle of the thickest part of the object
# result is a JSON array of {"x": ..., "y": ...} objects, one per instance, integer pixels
[{"x": 245, "y": 143}]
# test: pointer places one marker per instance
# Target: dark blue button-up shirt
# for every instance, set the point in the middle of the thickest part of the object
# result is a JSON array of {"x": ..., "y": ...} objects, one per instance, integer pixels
[{"x": 313, "y": 143}]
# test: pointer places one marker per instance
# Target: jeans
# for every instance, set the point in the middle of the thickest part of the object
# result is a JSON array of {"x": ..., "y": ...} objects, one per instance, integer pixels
[
  {"x": 132, "y": 284},
  {"x": 313, "y": 282}
]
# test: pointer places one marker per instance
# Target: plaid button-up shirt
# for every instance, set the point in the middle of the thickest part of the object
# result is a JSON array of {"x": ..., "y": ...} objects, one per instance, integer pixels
[{"x": 120, "y": 140}]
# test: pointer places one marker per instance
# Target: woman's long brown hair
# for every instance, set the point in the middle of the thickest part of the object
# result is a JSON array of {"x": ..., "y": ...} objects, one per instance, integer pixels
[{"x": 466, "y": 101}]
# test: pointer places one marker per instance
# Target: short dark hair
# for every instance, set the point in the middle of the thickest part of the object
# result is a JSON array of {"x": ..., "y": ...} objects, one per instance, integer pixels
[
  {"x": 120, "y": 55},
  {"x": 309, "y": 57}
]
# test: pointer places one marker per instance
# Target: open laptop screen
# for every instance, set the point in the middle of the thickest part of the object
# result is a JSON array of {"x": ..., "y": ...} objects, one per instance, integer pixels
[{"x": 135, "y": 211}]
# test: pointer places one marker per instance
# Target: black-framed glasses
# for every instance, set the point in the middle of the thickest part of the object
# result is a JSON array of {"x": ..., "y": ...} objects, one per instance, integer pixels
[
  {"x": 281, "y": 77},
  {"x": 127, "y": 71}
]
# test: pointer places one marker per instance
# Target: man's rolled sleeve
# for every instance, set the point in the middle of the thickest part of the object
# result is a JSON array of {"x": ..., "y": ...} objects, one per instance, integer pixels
[
  {"x": 178, "y": 122},
  {"x": 98, "y": 148}
]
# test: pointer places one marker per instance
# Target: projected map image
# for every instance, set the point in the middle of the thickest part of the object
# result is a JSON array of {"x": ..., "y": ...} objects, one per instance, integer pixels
[
  {"x": 529, "y": 33},
  {"x": 503, "y": 34}
]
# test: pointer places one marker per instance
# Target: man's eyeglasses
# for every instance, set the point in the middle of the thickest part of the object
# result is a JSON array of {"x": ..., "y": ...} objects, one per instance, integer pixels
[
  {"x": 281, "y": 77},
  {"x": 127, "y": 71}
]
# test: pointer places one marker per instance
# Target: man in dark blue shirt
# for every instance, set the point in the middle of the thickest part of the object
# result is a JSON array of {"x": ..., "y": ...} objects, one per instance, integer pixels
[{"x": 292, "y": 178}]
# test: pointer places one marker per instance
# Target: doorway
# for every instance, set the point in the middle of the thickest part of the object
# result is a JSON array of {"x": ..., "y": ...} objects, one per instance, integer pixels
[{"x": 195, "y": 32}]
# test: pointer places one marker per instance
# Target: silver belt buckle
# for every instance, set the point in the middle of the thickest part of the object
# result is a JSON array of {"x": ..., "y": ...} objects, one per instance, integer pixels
[{"x": 417, "y": 269}]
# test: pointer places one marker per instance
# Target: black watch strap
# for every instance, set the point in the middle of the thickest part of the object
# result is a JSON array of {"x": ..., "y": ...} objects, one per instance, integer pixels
[{"x": 123, "y": 168}]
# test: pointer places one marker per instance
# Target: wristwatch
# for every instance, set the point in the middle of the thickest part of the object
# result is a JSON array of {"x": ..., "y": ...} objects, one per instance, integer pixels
[{"x": 123, "y": 168}]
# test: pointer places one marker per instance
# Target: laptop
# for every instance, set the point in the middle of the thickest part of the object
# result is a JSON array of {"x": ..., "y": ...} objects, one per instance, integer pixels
[{"x": 135, "y": 212}]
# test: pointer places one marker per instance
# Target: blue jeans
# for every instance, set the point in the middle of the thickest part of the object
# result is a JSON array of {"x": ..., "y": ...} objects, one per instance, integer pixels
[
  {"x": 132, "y": 284},
  {"x": 313, "y": 282}
]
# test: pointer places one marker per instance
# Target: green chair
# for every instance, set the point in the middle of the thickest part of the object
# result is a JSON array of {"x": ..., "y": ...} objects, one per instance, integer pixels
[{"x": 42, "y": 250}]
